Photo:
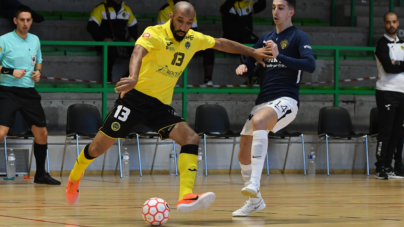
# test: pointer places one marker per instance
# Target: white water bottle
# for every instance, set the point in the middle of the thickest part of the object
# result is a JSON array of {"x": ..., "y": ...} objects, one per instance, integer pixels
[
  {"x": 199, "y": 166},
  {"x": 125, "y": 164},
  {"x": 11, "y": 165},
  {"x": 312, "y": 162},
  {"x": 172, "y": 167}
]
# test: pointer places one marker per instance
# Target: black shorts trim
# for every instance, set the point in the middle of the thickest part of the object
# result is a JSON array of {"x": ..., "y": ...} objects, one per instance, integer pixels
[{"x": 138, "y": 108}]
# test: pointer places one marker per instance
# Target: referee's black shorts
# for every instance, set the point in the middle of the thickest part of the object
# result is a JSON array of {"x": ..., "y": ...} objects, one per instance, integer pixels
[
  {"x": 138, "y": 108},
  {"x": 25, "y": 100}
]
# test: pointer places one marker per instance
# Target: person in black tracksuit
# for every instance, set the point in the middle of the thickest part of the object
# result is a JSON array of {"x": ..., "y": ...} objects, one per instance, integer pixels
[
  {"x": 390, "y": 101},
  {"x": 122, "y": 20},
  {"x": 237, "y": 19}
]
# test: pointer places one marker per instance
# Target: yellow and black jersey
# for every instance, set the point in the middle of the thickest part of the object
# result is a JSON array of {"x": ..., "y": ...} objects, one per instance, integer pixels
[
  {"x": 167, "y": 59},
  {"x": 121, "y": 18},
  {"x": 164, "y": 14},
  {"x": 237, "y": 18}
]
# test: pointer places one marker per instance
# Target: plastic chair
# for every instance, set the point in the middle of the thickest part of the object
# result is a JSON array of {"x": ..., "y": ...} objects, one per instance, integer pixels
[
  {"x": 336, "y": 123},
  {"x": 282, "y": 134},
  {"x": 21, "y": 129},
  {"x": 213, "y": 121},
  {"x": 83, "y": 120}
]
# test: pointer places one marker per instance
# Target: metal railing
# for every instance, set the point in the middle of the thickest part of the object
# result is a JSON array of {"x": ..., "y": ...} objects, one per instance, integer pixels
[
  {"x": 353, "y": 15},
  {"x": 184, "y": 90}
]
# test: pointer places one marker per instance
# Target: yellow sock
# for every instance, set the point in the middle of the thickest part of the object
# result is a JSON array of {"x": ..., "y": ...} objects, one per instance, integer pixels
[
  {"x": 187, "y": 167},
  {"x": 81, "y": 164}
]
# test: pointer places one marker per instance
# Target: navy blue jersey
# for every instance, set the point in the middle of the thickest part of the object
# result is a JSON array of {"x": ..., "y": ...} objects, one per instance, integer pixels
[{"x": 283, "y": 74}]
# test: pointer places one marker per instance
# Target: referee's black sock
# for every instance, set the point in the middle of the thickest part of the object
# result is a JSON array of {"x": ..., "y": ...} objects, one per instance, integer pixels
[{"x": 40, "y": 157}]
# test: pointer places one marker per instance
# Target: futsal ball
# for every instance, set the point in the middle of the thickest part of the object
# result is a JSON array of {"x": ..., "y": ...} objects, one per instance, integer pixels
[{"x": 155, "y": 211}]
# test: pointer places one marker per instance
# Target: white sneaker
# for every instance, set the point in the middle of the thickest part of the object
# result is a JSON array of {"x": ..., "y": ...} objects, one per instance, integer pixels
[
  {"x": 250, "y": 189},
  {"x": 248, "y": 208},
  {"x": 209, "y": 83}
]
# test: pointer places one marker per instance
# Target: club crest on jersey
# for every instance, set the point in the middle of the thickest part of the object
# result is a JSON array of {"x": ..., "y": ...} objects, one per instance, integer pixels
[
  {"x": 187, "y": 45},
  {"x": 33, "y": 59},
  {"x": 284, "y": 44},
  {"x": 124, "y": 14},
  {"x": 402, "y": 47},
  {"x": 0, "y": 48},
  {"x": 115, "y": 126},
  {"x": 146, "y": 35}
]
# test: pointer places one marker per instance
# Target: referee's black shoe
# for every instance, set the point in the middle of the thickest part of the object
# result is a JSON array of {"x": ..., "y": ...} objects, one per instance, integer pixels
[
  {"x": 45, "y": 179},
  {"x": 399, "y": 170},
  {"x": 381, "y": 174}
]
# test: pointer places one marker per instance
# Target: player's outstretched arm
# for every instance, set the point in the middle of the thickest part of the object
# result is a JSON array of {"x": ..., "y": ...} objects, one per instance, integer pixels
[
  {"x": 237, "y": 48},
  {"x": 128, "y": 83}
]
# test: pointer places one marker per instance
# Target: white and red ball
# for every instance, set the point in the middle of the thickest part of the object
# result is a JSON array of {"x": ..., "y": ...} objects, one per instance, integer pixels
[{"x": 155, "y": 211}]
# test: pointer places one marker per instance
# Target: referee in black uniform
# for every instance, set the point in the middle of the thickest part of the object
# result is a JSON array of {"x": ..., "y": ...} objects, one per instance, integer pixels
[
  {"x": 390, "y": 101},
  {"x": 20, "y": 69}
]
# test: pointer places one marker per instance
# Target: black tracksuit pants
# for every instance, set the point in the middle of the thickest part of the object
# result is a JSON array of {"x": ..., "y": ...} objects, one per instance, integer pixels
[{"x": 390, "y": 107}]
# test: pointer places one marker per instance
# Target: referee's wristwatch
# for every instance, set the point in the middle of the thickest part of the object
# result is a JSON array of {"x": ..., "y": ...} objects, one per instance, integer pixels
[{"x": 39, "y": 71}]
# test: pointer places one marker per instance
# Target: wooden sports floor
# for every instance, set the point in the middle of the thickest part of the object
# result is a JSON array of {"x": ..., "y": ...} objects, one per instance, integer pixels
[{"x": 292, "y": 200}]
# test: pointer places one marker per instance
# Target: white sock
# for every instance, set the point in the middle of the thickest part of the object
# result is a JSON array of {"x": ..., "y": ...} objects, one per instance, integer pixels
[
  {"x": 245, "y": 172},
  {"x": 258, "y": 153}
]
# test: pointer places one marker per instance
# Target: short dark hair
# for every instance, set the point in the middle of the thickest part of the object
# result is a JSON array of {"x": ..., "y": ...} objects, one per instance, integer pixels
[
  {"x": 388, "y": 13},
  {"x": 22, "y": 9},
  {"x": 291, "y": 3}
]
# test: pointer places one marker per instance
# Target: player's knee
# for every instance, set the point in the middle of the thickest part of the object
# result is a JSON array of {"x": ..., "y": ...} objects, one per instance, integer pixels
[
  {"x": 42, "y": 136},
  {"x": 193, "y": 138},
  {"x": 258, "y": 123}
]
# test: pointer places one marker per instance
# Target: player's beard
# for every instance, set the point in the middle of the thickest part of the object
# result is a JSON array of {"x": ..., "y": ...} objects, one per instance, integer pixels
[
  {"x": 177, "y": 37},
  {"x": 391, "y": 31}
]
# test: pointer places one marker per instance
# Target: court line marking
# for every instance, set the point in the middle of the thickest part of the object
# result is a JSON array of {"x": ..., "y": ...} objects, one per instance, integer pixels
[{"x": 28, "y": 219}]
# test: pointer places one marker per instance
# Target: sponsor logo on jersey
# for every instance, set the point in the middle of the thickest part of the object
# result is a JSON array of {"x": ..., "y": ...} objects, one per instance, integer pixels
[
  {"x": 169, "y": 47},
  {"x": 146, "y": 35},
  {"x": 190, "y": 37},
  {"x": 284, "y": 44},
  {"x": 166, "y": 72},
  {"x": 307, "y": 47},
  {"x": 115, "y": 126}
]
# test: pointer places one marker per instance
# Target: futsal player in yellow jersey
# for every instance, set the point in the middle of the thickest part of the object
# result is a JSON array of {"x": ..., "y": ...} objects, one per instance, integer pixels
[{"x": 158, "y": 60}]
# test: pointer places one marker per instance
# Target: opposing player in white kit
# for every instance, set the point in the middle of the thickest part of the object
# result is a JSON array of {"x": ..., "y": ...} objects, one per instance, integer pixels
[{"x": 278, "y": 101}]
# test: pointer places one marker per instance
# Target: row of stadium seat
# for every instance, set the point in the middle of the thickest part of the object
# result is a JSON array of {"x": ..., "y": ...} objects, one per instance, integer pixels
[
  {"x": 151, "y": 17},
  {"x": 79, "y": 85}
]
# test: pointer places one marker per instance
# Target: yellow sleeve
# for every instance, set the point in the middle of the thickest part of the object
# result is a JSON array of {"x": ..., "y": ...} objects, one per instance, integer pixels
[
  {"x": 149, "y": 40},
  {"x": 132, "y": 19},
  {"x": 96, "y": 14},
  {"x": 162, "y": 17},
  {"x": 205, "y": 41}
]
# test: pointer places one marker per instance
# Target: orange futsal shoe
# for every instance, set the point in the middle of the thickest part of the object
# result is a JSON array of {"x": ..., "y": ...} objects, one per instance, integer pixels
[
  {"x": 192, "y": 202},
  {"x": 72, "y": 191}
]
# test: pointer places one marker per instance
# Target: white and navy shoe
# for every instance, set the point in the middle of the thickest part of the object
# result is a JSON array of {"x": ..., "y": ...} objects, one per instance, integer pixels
[
  {"x": 249, "y": 207},
  {"x": 250, "y": 189}
]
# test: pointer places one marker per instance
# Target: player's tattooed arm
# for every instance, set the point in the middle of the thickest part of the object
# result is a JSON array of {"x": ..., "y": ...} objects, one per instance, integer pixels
[
  {"x": 128, "y": 83},
  {"x": 237, "y": 48}
]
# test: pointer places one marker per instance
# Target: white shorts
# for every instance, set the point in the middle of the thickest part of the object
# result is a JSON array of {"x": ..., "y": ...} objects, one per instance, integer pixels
[{"x": 286, "y": 109}]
